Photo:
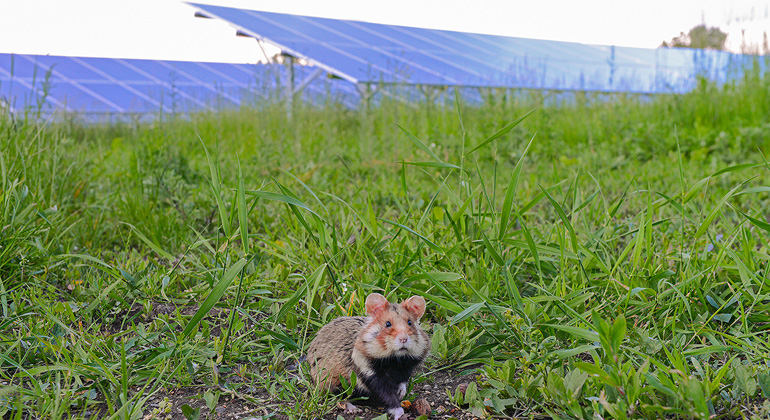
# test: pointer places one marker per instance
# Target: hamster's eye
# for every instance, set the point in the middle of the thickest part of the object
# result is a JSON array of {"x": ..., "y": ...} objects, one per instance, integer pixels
[
  {"x": 409, "y": 322},
  {"x": 387, "y": 324}
]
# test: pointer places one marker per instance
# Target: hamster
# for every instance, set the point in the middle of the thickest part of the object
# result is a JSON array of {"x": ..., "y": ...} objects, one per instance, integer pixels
[{"x": 382, "y": 348}]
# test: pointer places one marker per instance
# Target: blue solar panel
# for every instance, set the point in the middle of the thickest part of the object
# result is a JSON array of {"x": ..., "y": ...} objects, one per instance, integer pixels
[
  {"x": 104, "y": 86},
  {"x": 362, "y": 52}
]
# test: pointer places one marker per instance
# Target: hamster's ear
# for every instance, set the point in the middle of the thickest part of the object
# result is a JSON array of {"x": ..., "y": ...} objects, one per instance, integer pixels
[
  {"x": 415, "y": 305},
  {"x": 376, "y": 303}
]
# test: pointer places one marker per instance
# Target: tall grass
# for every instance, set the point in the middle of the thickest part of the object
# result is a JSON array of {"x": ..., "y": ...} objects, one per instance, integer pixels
[{"x": 607, "y": 256}]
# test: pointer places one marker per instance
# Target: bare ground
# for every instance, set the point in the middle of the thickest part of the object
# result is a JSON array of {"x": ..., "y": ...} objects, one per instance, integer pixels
[{"x": 234, "y": 405}]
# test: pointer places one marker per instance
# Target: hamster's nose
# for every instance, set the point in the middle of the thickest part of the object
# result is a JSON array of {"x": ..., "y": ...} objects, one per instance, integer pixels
[{"x": 403, "y": 340}]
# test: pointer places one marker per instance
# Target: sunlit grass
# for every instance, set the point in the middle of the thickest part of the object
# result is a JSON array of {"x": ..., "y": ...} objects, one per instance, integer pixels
[{"x": 605, "y": 256}]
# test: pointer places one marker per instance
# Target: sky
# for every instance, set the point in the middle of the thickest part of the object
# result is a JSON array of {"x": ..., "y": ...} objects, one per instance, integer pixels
[{"x": 167, "y": 29}]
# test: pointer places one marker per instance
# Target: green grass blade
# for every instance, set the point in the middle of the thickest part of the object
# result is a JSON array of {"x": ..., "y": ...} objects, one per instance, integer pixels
[
  {"x": 95, "y": 302},
  {"x": 243, "y": 216},
  {"x": 532, "y": 246},
  {"x": 291, "y": 302},
  {"x": 620, "y": 201},
  {"x": 564, "y": 219},
  {"x": 155, "y": 247},
  {"x": 565, "y": 353},
  {"x": 695, "y": 189},
  {"x": 501, "y": 132},
  {"x": 439, "y": 165},
  {"x": 640, "y": 243},
  {"x": 698, "y": 185},
  {"x": 441, "y": 281},
  {"x": 668, "y": 200},
  {"x": 492, "y": 251},
  {"x": 715, "y": 211},
  {"x": 282, "y": 198},
  {"x": 756, "y": 222},
  {"x": 306, "y": 187},
  {"x": 458, "y": 102},
  {"x": 467, "y": 313},
  {"x": 505, "y": 215},
  {"x": 216, "y": 189},
  {"x": 576, "y": 331},
  {"x": 364, "y": 221},
  {"x": 99, "y": 263},
  {"x": 314, "y": 283},
  {"x": 420, "y": 144},
  {"x": 214, "y": 296},
  {"x": 427, "y": 241},
  {"x": 754, "y": 190},
  {"x": 736, "y": 168}
]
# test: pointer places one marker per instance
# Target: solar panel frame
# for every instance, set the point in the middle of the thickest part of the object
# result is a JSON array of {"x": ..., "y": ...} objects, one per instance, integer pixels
[{"x": 288, "y": 50}]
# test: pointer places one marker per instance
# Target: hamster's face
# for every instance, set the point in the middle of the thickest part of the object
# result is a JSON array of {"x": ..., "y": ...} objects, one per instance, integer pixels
[{"x": 395, "y": 329}]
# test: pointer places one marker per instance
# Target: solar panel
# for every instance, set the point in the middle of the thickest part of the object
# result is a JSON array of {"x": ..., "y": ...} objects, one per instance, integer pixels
[
  {"x": 363, "y": 52},
  {"x": 96, "y": 87}
]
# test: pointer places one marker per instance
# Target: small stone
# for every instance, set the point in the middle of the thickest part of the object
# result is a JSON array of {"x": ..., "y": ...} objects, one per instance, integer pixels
[{"x": 421, "y": 407}]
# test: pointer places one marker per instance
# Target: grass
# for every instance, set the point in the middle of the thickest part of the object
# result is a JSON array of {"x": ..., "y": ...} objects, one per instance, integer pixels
[{"x": 606, "y": 256}]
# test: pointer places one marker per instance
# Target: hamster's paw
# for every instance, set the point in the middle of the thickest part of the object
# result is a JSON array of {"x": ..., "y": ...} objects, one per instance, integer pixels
[
  {"x": 401, "y": 390},
  {"x": 398, "y": 414},
  {"x": 351, "y": 409}
]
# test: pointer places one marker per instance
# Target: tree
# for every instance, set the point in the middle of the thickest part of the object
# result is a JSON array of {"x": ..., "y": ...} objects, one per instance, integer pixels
[{"x": 700, "y": 36}]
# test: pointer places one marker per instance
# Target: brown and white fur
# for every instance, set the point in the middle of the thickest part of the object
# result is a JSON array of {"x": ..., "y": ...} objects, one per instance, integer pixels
[{"x": 382, "y": 348}]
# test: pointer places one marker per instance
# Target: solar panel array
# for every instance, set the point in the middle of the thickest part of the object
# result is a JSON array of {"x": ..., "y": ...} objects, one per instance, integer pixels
[
  {"x": 399, "y": 60},
  {"x": 109, "y": 86},
  {"x": 362, "y": 52}
]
